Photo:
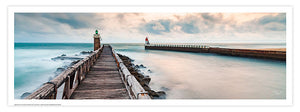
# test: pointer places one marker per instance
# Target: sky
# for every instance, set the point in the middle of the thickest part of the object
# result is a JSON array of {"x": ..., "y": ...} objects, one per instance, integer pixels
[{"x": 159, "y": 27}]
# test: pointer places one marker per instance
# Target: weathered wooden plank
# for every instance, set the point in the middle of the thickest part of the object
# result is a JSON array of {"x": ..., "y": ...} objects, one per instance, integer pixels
[
  {"x": 103, "y": 72},
  {"x": 103, "y": 80},
  {"x": 101, "y": 93},
  {"x": 104, "y": 64}
]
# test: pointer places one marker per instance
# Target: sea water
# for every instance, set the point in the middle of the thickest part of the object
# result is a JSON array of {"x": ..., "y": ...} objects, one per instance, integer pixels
[
  {"x": 185, "y": 75},
  {"x": 33, "y": 65},
  {"x": 182, "y": 75}
]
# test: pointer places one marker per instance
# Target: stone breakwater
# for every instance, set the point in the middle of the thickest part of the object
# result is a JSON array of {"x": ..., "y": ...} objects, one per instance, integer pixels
[
  {"x": 274, "y": 54},
  {"x": 143, "y": 80}
]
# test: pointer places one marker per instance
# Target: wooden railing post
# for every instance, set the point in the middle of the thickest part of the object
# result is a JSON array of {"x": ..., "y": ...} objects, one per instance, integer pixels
[
  {"x": 88, "y": 65},
  {"x": 72, "y": 77},
  {"x": 66, "y": 88},
  {"x": 79, "y": 76}
]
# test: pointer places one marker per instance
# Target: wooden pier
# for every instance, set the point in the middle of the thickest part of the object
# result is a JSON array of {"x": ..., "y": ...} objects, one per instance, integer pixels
[
  {"x": 101, "y": 75},
  {"x": 103, "y": 80}
]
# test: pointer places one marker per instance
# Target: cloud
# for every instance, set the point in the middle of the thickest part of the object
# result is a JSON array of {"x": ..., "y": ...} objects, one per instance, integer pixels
[
  {"x": 32, "y": 23},
  {"x": 201, "y": 23},
  {"x": 275, "y": 26},
  {"x": 279, "y": 18},
  {"x": 133, "y": 27},
  {"x": 274, "y": 23},
  {"x": 189, "y": 27},
  {"x": 53, "y": 27},
  {"x": 75, "y": 21},
  {"x": 215, "y": 17},
  {"x": 157, "y": 27},
  {"x": 264, "y": 24}
]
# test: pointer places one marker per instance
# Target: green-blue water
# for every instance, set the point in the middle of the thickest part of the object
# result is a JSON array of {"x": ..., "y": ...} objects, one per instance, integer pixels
[
  {"x": 33, "y": 64},
  {"x": 179, "y": 74}
]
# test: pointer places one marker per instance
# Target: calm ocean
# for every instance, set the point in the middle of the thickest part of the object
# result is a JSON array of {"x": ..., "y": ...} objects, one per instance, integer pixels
[{"x": 181, "y": 75}]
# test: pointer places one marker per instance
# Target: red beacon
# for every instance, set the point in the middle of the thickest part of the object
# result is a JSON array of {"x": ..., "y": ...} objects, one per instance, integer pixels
[{"x": 147, "y": 41}]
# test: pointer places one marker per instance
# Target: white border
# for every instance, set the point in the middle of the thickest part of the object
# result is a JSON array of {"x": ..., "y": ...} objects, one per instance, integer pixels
[{"x": 157, "y": 9}]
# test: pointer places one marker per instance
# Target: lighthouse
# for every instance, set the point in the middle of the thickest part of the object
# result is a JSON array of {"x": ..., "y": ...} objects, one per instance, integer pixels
[
  {"x": 97, "y": 38},
  {"x": 147, "y": 41}
]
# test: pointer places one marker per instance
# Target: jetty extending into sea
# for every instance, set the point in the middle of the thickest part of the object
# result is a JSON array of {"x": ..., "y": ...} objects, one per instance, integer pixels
[
  {"x": 274, "y": 54},
  {"x": 101, "y": 75}
]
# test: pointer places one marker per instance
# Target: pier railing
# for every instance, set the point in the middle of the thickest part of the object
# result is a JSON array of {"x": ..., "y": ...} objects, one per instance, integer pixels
[
  {"x": 136, "y": 91},
  {"x": 70, "y": 78},
  {"x": 177, "y": 45}
]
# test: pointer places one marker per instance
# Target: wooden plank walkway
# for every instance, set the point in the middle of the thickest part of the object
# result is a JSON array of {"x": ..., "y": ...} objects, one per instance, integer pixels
[{"x": 103, "y": 80}]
